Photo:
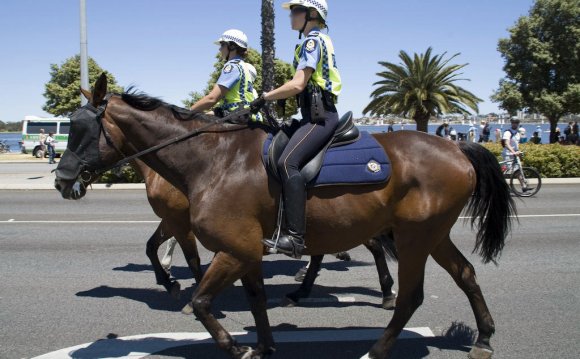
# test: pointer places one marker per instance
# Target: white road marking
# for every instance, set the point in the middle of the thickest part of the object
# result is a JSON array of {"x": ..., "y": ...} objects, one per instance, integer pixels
[
  {"x": 139, "y": 346},
  {"x": 317, "y": 300},
  {"x": 157, "y": 221},
  {"x": 536, "y": 215},
  {"x": 80, "y": 222}
]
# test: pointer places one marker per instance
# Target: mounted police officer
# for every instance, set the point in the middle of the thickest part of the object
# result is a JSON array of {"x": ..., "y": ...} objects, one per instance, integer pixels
[
  {"x": 317, "y": 84},
  {"x": 235, "y": 86}
]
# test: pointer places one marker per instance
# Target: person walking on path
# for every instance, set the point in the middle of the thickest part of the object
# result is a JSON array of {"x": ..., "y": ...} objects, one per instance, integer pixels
[
  {"x": 50, "y": 144},
  {"x": 42, "y": 141}
]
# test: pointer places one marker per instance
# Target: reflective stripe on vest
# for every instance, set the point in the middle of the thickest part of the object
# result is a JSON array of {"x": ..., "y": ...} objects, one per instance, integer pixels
[
  {"x": 326, "y": 74},
  {"x": 241, "y": 94}
]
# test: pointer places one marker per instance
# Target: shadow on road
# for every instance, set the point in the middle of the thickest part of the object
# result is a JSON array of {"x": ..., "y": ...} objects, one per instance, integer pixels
[
  {"x": 458, "y": 337},
  {"x": 270, "y": 268}
]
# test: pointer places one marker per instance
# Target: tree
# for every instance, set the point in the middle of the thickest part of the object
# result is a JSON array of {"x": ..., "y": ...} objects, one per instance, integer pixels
[
  {"x": 268, "y": 49},
  {"x": 62, "y": 90},
  {"x": 509, "y": 97},
  {"x": 420, "y": 87},
  {"x": 283, "y": 72},
  {"x": 542, "y": 60}
]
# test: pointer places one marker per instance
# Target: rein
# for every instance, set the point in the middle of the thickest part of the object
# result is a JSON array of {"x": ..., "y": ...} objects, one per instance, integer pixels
[
  {"x": 159, "y": 146},
  {"x": 242, "y": 113}
]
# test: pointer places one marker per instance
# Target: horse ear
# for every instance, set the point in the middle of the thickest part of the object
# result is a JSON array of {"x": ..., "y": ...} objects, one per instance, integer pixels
[
  {"x": 86, "y": 93},
  {"x": 100, "y": 90}
]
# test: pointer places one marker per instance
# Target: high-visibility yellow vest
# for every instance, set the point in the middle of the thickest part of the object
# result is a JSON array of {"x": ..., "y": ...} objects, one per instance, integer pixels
[
  {"x": 242, "y": 93},
  {"x": 326, "y": 75}
]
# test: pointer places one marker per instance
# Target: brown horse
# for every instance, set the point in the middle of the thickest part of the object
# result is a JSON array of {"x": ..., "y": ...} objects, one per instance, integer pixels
[
  {"x": 220, "y": 170},
  {"x": 169, "y": 204}
]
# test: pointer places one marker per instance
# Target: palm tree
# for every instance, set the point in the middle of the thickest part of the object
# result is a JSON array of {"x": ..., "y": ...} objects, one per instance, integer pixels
[
  {"x": 421, "y": 87},
  {"x": 268, "y": 49}
]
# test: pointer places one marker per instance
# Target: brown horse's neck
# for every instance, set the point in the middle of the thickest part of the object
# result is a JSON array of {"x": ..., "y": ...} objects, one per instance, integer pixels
[{"x": 187, "y": 164}]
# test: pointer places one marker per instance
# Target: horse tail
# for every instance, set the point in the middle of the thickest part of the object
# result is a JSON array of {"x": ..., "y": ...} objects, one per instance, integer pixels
[
  {"x": 491, "y": 205},
  {"x": 388, "y": 243}
]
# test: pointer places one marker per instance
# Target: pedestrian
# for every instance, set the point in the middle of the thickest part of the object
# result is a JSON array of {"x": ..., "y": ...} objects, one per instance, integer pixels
[
  {"x": 485, "y": 131},
  {"x": 497, "y": 134},
  {"x": 572, "y": 138},
  {"x": 452, "y": 134},
  {"x": 317, "y": 84},
  {"x": 523, "y": 136},
  {"x": 536, "y": 139},
  {"x": 390, "y": 127},
  {"x": 557, "y": 136},
  {"x": 51, "y": 144},
  {"x": 42, "y": 141},
  {"x": 443, "y": 130},
  {"x": 471, "y": 134},
  {"x": 568, "y": 130}
]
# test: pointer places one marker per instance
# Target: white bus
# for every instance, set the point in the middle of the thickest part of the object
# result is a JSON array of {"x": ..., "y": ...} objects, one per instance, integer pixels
[{"x": 31, "y": 127}]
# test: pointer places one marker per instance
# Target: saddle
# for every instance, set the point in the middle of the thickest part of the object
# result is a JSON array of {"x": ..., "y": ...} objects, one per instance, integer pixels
[{"x": 346, "y": 133}]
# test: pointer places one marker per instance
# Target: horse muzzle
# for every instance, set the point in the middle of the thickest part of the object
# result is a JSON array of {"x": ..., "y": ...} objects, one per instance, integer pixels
[{"x": 70, "y": 189}]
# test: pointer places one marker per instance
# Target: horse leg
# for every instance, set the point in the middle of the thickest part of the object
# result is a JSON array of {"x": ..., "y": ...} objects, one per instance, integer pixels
[
  {"x": 161, "y": 275},
  {"x": 223, "y": 271},
  {"x": 385, "y": 279},
  {"x": 254, "y": 285},
  {"x": 412, "y": 260},
  {"x": 168, "y": 256},
  {"x": 306, "y": 286},
  {"x": 188, "y": 244},
  {"x": 462, "y": 272}
]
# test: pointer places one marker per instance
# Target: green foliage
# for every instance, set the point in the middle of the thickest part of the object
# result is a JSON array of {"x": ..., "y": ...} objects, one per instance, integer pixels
[
  {"x": 420, "y": 87},
  {"x": 62, "y": 90},
  {"x": 552, "y": 160},
  {"x": 509, "y": 97},
  {"x": 10, "y": 126},
  {"x": 542, "y": 60},
  {"x": 283, "y": 72},
  {"x": 125, "y": 174}
]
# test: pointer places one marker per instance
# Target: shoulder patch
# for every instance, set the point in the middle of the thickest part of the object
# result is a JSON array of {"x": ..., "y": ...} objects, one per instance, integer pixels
[
  {"x": 227, "y": 69},
  {"x": 310, "y": 45}
]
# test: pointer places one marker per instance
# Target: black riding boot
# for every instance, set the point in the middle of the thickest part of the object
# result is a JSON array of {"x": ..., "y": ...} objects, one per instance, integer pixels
[{"x": 291, "y": 241}]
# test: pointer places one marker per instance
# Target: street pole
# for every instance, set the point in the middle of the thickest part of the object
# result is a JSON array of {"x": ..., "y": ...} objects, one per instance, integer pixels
[{"x": 84, "y": 56}]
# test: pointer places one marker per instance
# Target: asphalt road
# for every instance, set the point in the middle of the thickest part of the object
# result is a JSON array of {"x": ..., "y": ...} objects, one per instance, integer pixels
[{"x": 76, "y": 272}]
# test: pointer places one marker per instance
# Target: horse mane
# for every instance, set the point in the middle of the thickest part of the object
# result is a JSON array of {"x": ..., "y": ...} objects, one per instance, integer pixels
[{"x": 141, "y": 101}]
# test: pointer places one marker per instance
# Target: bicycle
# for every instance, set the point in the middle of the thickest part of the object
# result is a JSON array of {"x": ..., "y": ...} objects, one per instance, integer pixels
[
  {"x": 4, "y": 147},
  {"x": 524, "y": 181}
]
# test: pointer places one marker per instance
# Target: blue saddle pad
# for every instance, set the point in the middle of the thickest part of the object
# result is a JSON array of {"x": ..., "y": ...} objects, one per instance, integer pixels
[{"x": 361, "y": 162}]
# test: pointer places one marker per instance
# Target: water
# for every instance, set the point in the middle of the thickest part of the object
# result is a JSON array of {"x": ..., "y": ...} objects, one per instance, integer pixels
[
  {"x": 12, "y": 139},
  {"x": 530, "y": 128}
]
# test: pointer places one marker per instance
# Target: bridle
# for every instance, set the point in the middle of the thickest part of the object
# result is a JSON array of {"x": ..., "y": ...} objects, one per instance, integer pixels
[{"x": 88, "y": 170}]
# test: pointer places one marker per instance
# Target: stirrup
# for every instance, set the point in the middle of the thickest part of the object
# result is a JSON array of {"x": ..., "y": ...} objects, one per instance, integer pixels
[
  {"x": 277, "y": 231},
  {"x": 295, "y": 252}
]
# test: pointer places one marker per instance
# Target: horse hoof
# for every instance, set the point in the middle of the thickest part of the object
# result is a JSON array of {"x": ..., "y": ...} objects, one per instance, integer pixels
[
  {"x": 300, "y": 275},
  {"x": 343, "y": 256},
  {"x": 247, "y": 353},
  {"x": 288, "y": 302},
  {"x": 480, "y": 353},
  {"x": 389, "y": 302},
  {"x": 187, "y": 310},
  {"x": 175, "y": 290}
]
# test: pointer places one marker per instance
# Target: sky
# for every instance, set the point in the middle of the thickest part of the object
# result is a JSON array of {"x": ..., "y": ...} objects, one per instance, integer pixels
[{"x": 165, "y": 47}]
